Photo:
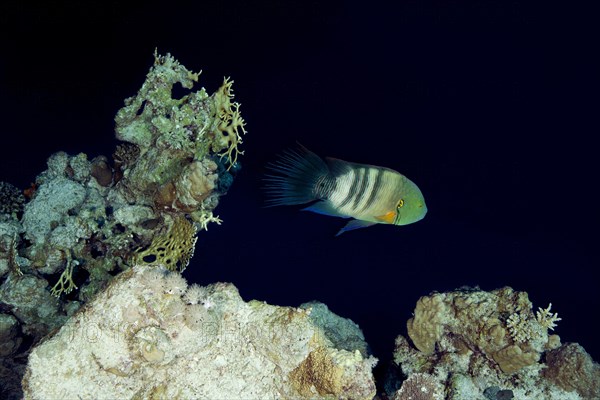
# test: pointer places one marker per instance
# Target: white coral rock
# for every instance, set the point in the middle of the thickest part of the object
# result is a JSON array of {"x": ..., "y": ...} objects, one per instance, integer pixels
[{"x": 131, "y": 342}]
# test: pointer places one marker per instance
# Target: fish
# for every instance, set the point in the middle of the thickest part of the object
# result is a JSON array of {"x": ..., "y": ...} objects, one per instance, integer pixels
[{"x": 366, "y": 193}]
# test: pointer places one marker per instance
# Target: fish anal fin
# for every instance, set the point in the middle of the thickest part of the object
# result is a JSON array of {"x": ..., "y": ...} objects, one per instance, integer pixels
[
  {"x": 355, "y": 224},
  {"x": 324, "y": 208}
]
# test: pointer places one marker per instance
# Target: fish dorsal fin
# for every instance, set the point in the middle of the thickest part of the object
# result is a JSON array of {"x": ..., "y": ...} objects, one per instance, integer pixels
[
  {"x": 388, "y": 217},
  {"x": 325, "y": 208},
  {"x": 337, "y": 167},
  {"x": 355, "y": 224}
]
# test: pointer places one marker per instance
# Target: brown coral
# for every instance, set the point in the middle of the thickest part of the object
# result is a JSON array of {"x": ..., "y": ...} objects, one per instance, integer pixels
[
  {"x": 425, "y": 328},
  {"x": 165, "y": 196},
  {"x": 187, "y": 192},
  {"x": 332, "y": 374},
  {"x": 195, "y": 184},
  {"x": 570, "y": 367},
  {"x": 513, "y": 358},
  {"x": 101, "y": 171},
  {"x": 318, "y": 371}
]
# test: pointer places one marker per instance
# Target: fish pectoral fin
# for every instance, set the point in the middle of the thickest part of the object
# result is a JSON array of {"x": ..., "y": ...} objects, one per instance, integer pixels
[
  {"x": 387, "y": 217},
  {"x": 355, "y": 224},
  {"x": 325, "y": 208}
]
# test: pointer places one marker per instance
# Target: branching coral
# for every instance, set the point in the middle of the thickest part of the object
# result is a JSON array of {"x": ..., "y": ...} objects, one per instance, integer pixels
[
  {"x": 230, "y": 123},
  {"x": 546, "y": 319},
  {"x": 65, "y": 283},
  {"x": 519, "y": 327},
  {"x": 207, "y": 217},
  {"x": 523, "y": 327}
]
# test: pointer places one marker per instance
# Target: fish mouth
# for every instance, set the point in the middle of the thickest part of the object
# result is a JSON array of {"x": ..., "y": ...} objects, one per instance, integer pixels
[{"x": 424, "y": 212}]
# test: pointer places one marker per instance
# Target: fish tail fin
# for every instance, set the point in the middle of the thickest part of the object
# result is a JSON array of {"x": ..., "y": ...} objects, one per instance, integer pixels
[{"x": 295, "y": 177}]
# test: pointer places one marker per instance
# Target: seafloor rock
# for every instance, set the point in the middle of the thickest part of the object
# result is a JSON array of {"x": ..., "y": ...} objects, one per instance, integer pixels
[
  {"x": 149, "y": 334},
  {"x": 473, "y": 344},
  {"x": 343, "y": 332}
]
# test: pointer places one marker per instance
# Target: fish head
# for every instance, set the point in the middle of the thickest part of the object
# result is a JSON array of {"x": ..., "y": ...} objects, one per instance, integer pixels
[{"x": 411, "y": 206}]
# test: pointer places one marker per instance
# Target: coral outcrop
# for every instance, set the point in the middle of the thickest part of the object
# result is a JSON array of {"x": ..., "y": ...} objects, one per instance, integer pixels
[
  {"x": 474, "y": 344},
  {"x": 500, "y": 324},
  {"x": 84, "y": 221},
  {"x": 150, "y": 335}
]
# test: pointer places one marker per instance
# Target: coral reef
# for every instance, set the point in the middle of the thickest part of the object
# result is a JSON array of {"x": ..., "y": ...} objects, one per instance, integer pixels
[
  {"x": 489, "y": 345},
  {"x": 84, "y": 221},
  {"x": 70, "y": 329},
  {"x": 150, "y": 335}
]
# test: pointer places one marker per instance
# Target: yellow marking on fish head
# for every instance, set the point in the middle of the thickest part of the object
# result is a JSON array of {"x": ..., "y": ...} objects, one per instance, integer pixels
[
  {"x": 392, "y": 217},
  {"x": 388, "y": 217}
]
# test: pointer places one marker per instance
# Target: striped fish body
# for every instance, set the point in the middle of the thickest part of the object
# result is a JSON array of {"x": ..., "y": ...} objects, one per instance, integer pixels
[
  {"x": 367, "y": 193},
  {"x": 364, "y": 192}
]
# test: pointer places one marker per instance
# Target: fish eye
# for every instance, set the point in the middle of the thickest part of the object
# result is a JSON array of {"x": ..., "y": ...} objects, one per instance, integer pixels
[{"x": 400, "y": 203}]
